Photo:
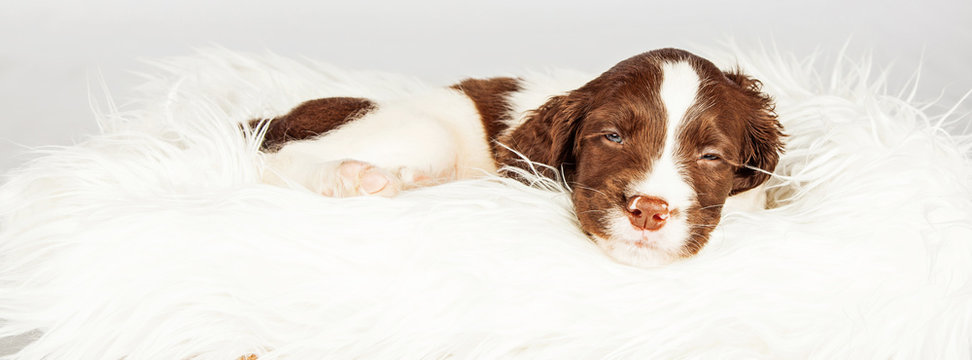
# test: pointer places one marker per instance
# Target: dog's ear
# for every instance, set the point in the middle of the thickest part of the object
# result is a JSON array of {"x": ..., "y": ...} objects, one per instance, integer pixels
[
  {"x": 763, "y": 142},
  {"x": 548, "y": 135}
]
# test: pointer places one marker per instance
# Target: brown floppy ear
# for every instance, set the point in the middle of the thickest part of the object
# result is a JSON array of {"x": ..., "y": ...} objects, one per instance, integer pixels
[
  {"x": 763, "y": 143},
  {"x": 548, "y": 135}
]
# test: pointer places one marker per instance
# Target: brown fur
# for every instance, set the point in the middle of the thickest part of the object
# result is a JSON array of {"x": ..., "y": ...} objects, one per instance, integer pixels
[
  {"x": 313, "y": 118},
  {"x": 763, "y": 142},
  {"x": 489, "y": 96}
]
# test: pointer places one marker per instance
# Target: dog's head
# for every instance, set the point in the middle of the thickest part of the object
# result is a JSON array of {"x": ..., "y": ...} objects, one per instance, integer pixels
[{"x": 653, "y": 147}]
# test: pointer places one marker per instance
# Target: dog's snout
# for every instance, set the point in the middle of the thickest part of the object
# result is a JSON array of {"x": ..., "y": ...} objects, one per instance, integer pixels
[{"x": 647, "y": 212}]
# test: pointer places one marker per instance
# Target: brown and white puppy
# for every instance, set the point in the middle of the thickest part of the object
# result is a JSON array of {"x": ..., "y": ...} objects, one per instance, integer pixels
[{"x": 651, "y": 148}]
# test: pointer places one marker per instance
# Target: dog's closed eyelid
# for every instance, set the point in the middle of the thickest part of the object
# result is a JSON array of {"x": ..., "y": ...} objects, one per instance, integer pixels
[
  {"x": 599, "y": 134},
  {"x": 711, "y": 154}
]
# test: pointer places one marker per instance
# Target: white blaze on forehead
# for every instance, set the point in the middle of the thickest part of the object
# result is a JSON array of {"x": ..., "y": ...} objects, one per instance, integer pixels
[
  {"x": 678, "y": 91},
  {"x": 679, "y": 87}
]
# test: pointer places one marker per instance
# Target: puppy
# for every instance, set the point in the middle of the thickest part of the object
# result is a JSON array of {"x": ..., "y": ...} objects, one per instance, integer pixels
[{"x": 651, "y": 149}]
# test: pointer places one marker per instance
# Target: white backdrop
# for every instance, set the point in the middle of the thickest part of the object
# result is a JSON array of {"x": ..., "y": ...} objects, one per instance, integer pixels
[{"x": 51, "y": 51}]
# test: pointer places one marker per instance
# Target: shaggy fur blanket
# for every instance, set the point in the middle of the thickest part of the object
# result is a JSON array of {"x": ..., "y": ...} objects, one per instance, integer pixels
[{"x": 154, "y": 240}]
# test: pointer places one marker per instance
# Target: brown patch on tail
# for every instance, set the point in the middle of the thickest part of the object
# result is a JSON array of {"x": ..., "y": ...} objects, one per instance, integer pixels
[{"x": 313, "y": 118}]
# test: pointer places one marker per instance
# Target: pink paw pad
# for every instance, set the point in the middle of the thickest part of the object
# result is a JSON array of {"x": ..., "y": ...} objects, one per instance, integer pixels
[
  {"x": 373, "y": 182},
  {"x": 361, "y": 178}
]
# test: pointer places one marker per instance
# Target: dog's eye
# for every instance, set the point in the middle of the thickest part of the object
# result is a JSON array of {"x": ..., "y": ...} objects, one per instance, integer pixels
[
  {"x": 709, "y": 157},
  {"x": 614, "y": 137}
]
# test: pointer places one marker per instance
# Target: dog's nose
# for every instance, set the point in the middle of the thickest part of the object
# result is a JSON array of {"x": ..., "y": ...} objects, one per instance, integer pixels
[{"x": 647, "y": 212}]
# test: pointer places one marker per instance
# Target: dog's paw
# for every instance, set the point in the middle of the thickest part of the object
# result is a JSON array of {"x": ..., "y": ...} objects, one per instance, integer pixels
[{"x": 355, "y": 178}]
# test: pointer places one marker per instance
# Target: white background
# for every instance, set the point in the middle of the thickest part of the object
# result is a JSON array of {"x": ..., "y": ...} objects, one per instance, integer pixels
[{"x": 50, "y": 51}]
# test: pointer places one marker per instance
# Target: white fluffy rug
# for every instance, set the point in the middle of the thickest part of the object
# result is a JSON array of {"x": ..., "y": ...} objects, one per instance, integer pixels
[{"x": 155, "y": 241}]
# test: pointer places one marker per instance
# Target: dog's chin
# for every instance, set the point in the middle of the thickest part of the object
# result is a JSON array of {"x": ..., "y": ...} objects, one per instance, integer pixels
[{"x": 643, "y": 248}]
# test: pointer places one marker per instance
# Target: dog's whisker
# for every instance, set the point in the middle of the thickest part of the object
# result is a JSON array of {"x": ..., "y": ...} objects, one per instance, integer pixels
[
  {"x": 592, "y": 190},
  {"x": 596, "y": 210},
  {"x": 701, "y": 225}
]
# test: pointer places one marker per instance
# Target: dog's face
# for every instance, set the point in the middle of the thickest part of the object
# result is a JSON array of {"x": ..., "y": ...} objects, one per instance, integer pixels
[{"x": 654, "y": 146}]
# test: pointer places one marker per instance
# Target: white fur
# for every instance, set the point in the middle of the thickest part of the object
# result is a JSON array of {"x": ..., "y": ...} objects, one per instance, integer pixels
[
  {"x": 437, "y": 133},
  {"x": 641, "y": 247},
  {"x": 157, "y": 241}
]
